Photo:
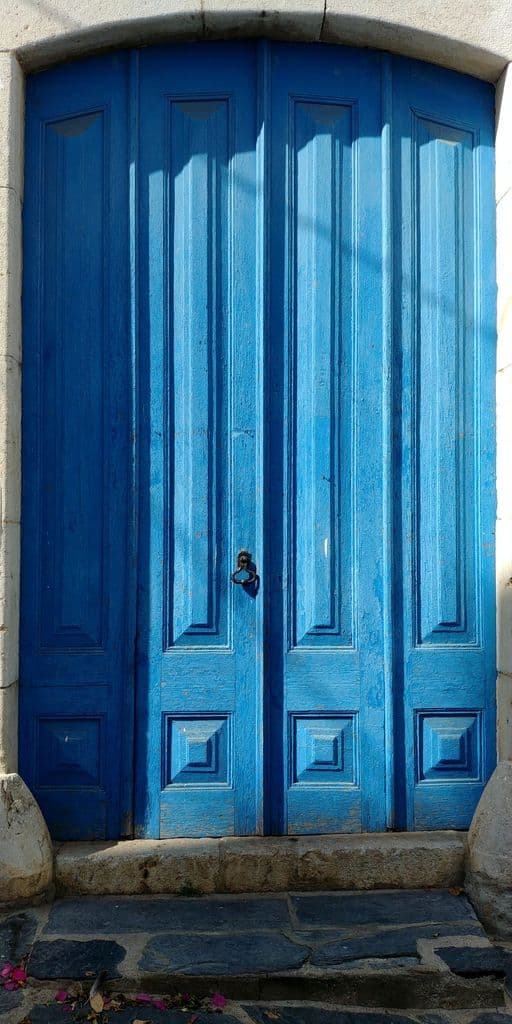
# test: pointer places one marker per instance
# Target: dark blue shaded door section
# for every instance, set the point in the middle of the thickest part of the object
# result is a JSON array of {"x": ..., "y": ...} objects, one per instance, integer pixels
[
  {"x": 76, "y": 642},
  {"x": 258, "y": 314}
]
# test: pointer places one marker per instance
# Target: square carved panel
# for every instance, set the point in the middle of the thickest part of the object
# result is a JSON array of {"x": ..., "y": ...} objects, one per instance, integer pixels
[
  {"x": 323, "y": 749},
  {"x": 69, "y": 752},
  {"x": 196, "y": 750},
  {"x": 448, "y": 746}
]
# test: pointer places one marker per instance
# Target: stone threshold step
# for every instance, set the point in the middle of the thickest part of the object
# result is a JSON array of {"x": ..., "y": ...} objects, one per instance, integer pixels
[
  {"x": 400, "y": 949},
  {"x": 401, "y": 860}
]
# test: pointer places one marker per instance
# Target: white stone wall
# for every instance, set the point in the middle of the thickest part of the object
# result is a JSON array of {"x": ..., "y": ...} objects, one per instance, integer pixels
[
  {"x": 11, "y": 178},
  {"x": 473, "y": 36},
  {"x": 504, "y": 410}
]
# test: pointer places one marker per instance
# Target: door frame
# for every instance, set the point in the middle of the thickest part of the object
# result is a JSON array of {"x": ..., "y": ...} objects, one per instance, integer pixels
[{"x": 58, "y": 48}]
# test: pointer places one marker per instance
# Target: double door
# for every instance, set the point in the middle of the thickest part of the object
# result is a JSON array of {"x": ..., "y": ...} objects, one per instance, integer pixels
[{"x": 257, "y": 477}]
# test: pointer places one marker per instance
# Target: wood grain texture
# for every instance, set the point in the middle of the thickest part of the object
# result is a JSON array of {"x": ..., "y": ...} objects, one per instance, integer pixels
[
  {"x": 443, "y": 146},
  {"x": 259, "y": 314},
  {"x": 76, "y": 656}
]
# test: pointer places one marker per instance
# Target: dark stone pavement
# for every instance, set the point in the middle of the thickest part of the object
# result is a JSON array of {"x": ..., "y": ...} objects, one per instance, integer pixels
[
  {"x": 399, "y": 949},
  {"x": 277, "y": 1013}
]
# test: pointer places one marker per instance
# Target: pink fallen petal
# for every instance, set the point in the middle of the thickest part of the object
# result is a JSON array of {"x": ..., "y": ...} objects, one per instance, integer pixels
[
  {"x": 11, "y": 986},
  {"x": 159, "y": 1004},
  {"x": 218, "y": 1000},
  {"x": 143, "y": 998},
  {"x": 6, "y": 971},
  {"x": 61, "y": 996},
  {"x": 19, "y": 974}
]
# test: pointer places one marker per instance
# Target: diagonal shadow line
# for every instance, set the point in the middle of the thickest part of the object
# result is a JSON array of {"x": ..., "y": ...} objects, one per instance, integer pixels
[{"x": 51, "y": 10}]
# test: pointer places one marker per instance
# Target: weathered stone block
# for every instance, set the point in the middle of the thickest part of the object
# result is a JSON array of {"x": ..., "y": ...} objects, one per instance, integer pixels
[
  {"x": 489, "y": 876},
  {"x": 181, "y": 866},
  {"x": 26, "y": 855}
]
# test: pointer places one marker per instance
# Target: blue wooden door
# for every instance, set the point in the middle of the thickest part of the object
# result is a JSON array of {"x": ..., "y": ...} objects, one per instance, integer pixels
[
  {"x": 259, "y": 316},
  {"x": 326, "y": 444},
  {"x": 200, "y": 662},
  {"x": 444, "y": 677},
  {"x": 76, "y": 725}
]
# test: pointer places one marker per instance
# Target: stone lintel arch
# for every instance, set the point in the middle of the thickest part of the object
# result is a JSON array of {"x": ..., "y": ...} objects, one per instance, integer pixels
[{"x": 466, "y": 37}]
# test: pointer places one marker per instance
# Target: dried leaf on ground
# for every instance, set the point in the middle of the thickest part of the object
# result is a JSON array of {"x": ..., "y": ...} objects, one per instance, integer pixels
[{"x": 97, "y": 1002}]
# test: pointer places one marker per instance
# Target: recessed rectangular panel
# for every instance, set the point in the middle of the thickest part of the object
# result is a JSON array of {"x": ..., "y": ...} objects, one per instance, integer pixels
[
  {"x": 448, "y": 746},
  {"x": 446, "y": 511},
  {"x": 196, "y": 383},
  {"x": 197, "y": 750},
  {"x": 69, "y": 752},
  {"x": 73, "y": 387},
  {"x": 323, "y": 749},
  {"x": 321, "y": 399}
]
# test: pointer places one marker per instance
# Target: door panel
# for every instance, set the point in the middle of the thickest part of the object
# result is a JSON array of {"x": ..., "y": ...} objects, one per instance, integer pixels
[
  {"x": 199, "y": 642},
  {"x": 325, "y": 612},
  {"x": 76, "y": 729},
  {"x": 449, "y": 346}
]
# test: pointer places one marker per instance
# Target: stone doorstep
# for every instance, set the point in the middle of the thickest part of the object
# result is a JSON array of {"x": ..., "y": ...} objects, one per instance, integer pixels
[
  {"x": 391, "y": 949},
  {"x": 264, "y": 864}
]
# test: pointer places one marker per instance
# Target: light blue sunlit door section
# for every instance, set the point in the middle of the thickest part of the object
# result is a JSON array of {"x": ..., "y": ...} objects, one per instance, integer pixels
[
  {"x": 326, "y": 445},
  {"x": 444, "y": 154},
  {"x": 200, "y": 662}
]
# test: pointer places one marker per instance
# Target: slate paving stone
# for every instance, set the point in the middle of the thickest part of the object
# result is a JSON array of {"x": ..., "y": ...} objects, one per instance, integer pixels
[
  {"x": 394, "y": 942},
  {"x": 67, "y": 958},
  {"x": 253, "y": 953},
  {"x": 435, "y": 1018},
  {"x": 382, "y": 964},
  {"x": 492, "y": 1018},
  {"x": 304, "y": 1014},
  {"x": 397, "y": 907},
  {"x": 16, "y": 935},
  {"x": 317, "y": 937},
  {"x": 116, "y": 916},
  {"x": 475, "y": 961},
  {"x": 54, "y": 1014},
  {"x": 319, "y": 1015},
  {"x": 9, "y": 1000}
]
